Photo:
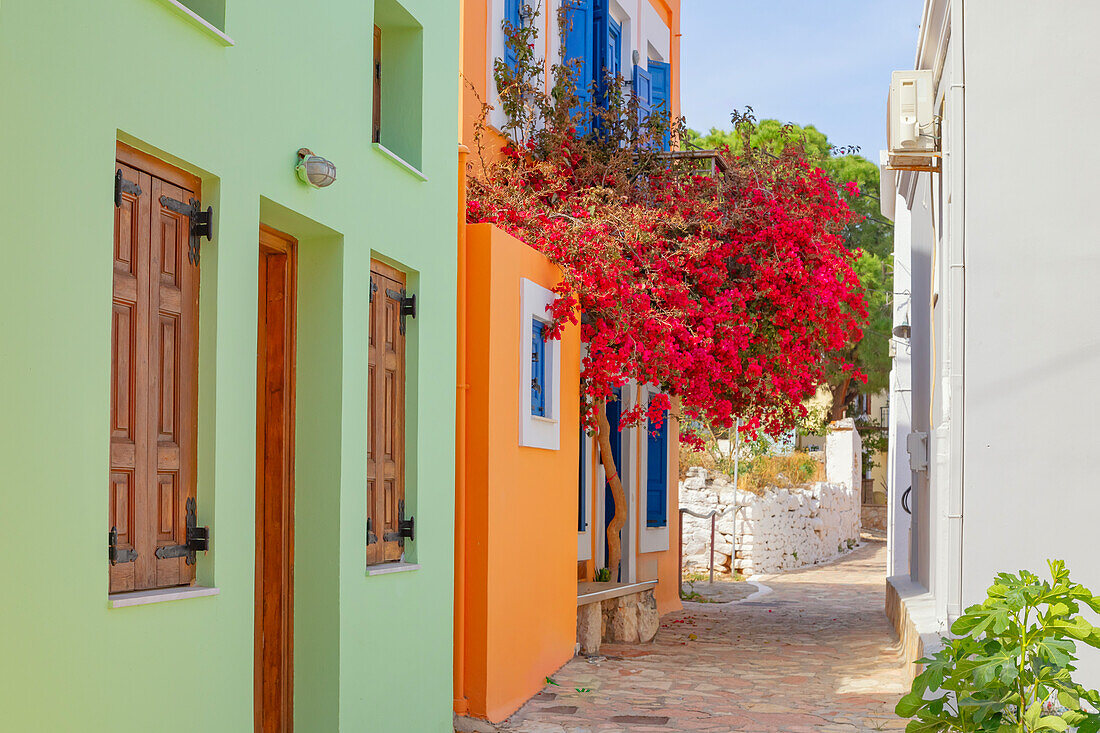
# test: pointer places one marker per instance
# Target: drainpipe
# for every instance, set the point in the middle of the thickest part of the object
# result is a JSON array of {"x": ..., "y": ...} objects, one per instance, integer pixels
[
  {"x": 956, "y": 282},
  {"x": 461, "y": 704}
]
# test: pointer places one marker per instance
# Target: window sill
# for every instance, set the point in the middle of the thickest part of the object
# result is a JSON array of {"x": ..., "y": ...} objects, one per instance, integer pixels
[
  {"x": 199, "y": 21},
  {"x": 392, "y": 567},
  {"x": 159, "y": 595},
  {"x": 397, "y": 159},
  {"x": 547, "y": 420}
]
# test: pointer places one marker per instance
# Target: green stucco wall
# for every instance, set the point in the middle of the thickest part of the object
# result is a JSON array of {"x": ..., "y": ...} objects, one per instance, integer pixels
[{"x": 372, "y": 653}]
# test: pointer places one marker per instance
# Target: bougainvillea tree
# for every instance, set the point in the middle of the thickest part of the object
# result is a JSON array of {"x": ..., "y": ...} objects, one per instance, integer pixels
[{"x": 732, "y": 291}]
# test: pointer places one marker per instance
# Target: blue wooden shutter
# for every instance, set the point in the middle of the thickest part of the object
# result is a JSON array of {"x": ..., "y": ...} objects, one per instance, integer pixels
[
  {"x": 656, "y": 512},
  {"x": 609, "y": 47},
  {"x": 538, "y": 369},
  {"x": 511, "y": 16},
  {"x": 661, "y": 75},
  {"x": 582, "y": 521},
  {"x": 643, "y": 90},
  {"x": 579, "y": 47}
]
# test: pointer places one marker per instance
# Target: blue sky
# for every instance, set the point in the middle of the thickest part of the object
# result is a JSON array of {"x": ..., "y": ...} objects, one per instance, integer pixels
[{"x": 820, "y": 62}]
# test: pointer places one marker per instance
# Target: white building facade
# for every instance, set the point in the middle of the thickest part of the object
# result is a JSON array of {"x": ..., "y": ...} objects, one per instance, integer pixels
[{"x": 993, "y": 424}]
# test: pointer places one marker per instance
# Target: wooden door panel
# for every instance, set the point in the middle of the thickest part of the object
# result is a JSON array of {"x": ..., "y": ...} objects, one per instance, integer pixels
[
  {"x": 386, "y": 410},
  {"x": 170, "y": 473},
  {"x": 274, "y": 669},
  {"x": 129, "y": 372},
  {"x": 154, "y": 364}
]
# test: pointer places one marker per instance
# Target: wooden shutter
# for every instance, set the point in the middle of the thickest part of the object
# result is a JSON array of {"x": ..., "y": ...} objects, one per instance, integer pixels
[
  {"x": 643, "y": 91},
  {"x": 376, "y": 76},
  {"x": 386, "y": 416},
  {"x": 154, "y": 365},
  {"x": 608, "y": 45},
  {"x": 661, "y": 75},
  {"x": 579, "y": 49},
  {"x": 582, "y": 512},
  {"x": 513, "y": 19},
  {"x": 657, "y": 475}
]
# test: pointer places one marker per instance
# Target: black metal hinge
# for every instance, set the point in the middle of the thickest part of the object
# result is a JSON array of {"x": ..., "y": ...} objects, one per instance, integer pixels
[
  {"x": 123, "y": 186},
  {"x": 406, "y": 528},
  {"x": 201, "y": 223},
  {"x": 371, "y": 536},
  {"x": 373, "y": 290},
  {"x": 116, "y": 555},
  {"x": 408, "y": 304},
  {"x": 378, "y": 70},
  {"x": 198, "y": 538}
]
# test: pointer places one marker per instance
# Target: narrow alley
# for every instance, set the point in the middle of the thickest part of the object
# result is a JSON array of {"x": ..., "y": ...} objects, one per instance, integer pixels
[{"x": 816, "y": 653}]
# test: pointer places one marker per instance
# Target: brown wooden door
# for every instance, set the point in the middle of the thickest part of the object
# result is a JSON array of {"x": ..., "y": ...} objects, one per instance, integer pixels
[
  {"x": 274, "y": 693},
  {"x": 386, "y": 415},
  {"x": 154, "y": 370}
]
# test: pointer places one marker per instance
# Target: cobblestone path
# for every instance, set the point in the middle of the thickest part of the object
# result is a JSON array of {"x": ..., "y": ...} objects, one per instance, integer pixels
[{"x": 815, "y": 654}]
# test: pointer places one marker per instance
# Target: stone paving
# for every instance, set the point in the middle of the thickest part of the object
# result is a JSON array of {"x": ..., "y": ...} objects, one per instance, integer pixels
[{"x": 815, "y": 654}]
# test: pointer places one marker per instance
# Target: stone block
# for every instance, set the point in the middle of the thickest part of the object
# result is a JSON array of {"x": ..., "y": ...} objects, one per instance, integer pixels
[
  {"x": 648, "y": 619},
  {"x": 623, "y": 626},
  {"x": 589, "y": 628}
]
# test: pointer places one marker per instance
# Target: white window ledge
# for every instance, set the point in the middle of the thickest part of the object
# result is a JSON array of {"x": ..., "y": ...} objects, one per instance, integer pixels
[
  {"x": 160, "y": 595},
  {"x": 398, "y": 160},
  {"x": 199, "y": 21},
  {"x": 392, "y": 567}
]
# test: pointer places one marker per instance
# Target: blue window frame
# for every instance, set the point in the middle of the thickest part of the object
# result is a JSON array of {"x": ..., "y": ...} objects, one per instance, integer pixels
[
  {"x": 656, "y": 506},
  {"x": 579, "y": 48},
  {"x": 540, "y": 388},
  {"x": 660, "y": 74}
]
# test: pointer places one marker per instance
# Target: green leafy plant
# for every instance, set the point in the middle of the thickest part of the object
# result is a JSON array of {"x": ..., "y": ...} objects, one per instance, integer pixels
[
  {"x": 1009, "y": 667},
  {"x": 603, "y": 575}
]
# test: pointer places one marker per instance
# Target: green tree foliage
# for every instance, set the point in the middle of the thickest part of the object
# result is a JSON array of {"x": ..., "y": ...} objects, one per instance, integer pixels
[{"x": 872, "y": 234}]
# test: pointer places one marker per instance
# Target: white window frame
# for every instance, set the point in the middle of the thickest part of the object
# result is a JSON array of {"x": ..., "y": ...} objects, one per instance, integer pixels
[
  {"x": 588, "y": 452},
  {"x": 495, "y": 48},
  {"x": 536, "y": 431},
  {"x": 584, "y": 537},
  {"x": 653, "y": 539}
]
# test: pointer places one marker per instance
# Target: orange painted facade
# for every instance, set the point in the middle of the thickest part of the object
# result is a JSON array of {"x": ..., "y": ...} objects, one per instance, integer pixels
[
  {"x": 521, "y": 502},
  {"x": 519, "y": 551}
]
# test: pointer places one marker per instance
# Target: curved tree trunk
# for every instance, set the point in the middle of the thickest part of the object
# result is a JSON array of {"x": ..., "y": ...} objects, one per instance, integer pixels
[
  {"x": 614, "y": 543},
  {"x": 840, "y": 399}
]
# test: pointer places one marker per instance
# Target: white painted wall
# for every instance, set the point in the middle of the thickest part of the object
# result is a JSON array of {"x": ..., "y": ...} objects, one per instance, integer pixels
[{"x": 1006, "y": 346}]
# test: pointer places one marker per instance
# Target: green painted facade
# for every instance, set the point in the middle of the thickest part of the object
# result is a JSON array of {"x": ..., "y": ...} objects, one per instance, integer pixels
[{"x": 372, "y": 653}]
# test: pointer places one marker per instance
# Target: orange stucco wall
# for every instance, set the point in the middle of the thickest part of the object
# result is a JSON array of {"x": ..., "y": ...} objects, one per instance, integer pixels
[{"x": 521, "y": 503}]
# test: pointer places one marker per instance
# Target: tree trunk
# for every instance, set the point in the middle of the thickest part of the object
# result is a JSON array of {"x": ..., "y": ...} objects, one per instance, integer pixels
[
  {"x": 614, "y": 545},
  {"x": 840, "y": 399}
]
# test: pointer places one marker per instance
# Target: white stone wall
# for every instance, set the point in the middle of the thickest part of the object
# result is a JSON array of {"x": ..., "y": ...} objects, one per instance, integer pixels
[{"x": 783, "y": 529}]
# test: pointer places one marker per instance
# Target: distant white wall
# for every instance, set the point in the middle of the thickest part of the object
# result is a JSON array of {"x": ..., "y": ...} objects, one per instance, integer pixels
[{"x": 899, "y": 478}]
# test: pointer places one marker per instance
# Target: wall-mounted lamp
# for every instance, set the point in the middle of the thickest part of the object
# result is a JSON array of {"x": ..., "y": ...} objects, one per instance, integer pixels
[
  {"x": 636, "y": 57},
  {"x": 903, "y": 331},
  {"x": 313, "y": 170}
]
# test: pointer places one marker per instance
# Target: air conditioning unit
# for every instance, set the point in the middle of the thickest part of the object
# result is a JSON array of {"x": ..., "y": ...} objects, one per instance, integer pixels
[{"x": 912, "y": 131}]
